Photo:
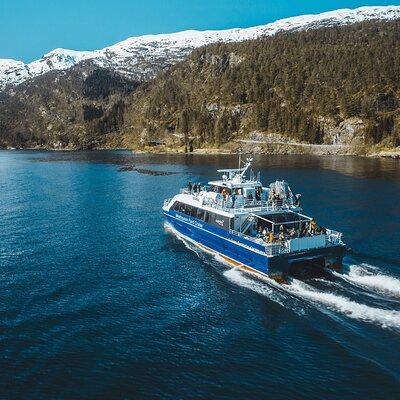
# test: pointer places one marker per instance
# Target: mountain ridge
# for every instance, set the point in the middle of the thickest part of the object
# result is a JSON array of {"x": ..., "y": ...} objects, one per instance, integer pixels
[{"x": 142, "y": 57}]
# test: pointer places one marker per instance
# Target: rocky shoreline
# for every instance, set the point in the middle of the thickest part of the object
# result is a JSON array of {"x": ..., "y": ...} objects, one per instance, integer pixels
[
  {"x": 294, "y": 149},
  {"x": 247, "y": 146}
]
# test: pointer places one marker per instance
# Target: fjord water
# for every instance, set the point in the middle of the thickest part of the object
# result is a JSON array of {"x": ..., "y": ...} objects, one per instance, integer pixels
[{"x": 99, "y": 300}]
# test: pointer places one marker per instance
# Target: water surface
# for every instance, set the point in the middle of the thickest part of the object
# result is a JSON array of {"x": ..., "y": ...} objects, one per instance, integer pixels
[{"x": 98, "y": 300}]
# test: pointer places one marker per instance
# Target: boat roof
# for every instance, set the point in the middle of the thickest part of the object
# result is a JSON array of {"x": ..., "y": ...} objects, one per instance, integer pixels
[
  {"x": 235, "y": 177},
  {"x": 233, "y": 185}
]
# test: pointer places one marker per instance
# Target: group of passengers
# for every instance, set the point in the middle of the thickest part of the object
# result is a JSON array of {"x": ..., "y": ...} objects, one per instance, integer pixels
[
  {"x": 278, "y": 199},
  {"x": 308, "y": 229},
  {"x": 194, "y": 187},
  {"x": 274, "y": 198},
  {"x": 230, "y": 196}
]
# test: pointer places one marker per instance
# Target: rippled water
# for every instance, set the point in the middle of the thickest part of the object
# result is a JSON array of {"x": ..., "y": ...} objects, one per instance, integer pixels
[{"x": 99, "y": 300}]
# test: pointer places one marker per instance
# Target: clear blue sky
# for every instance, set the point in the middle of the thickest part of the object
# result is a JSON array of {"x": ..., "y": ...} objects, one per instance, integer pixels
[{"x": 31, "y": 28}]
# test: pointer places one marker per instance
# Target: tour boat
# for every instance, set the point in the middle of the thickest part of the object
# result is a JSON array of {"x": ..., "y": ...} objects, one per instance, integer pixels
[{"x": 259, "y": 229}]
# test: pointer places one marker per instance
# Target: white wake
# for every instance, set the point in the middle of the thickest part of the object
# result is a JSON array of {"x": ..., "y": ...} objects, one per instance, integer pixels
[
  {"x": 242, "y": 279},
  {"x": 350, "y": 308},
  {"x": 369, "y": 277},
  {"x": 363, "y": 275}
]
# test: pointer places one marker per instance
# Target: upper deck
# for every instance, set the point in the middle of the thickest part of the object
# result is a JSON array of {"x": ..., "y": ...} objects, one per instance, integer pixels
[
  {"x": 240, "y": 206},
  {"x": 236, "y": 194}
]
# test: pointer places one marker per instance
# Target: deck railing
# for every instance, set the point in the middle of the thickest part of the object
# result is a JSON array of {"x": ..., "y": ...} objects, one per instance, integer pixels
[
  {"x": 333, "y": 237},
  {"x": 247, "y": 205},
  {"x": 241, "y": 203},
  {"x": 166, "y": 202},
  {"x": 271, "y": 249},
  {"x": 296, "y": 244}
]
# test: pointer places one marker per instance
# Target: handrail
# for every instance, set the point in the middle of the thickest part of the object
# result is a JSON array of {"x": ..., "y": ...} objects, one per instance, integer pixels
[
  {"x": 270, "y": 248},
  {"x": 282, "y": 247},
  {"x": 248, "y": 207},
  {"x": 242, "y": 203},
  {"x": 333, "y": 237},
  {"x": 166, "y": 202}
]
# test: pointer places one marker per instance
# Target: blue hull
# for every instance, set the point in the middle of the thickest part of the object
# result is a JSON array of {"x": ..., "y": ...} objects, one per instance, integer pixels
[
  {"x": 220, "y": 241},
  {"x": 247, "y": 254}
]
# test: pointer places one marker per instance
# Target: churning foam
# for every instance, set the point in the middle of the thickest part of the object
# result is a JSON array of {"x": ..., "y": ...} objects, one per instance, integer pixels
[
  {"x": 352, "y": 309},
  {"x": 242, "y": 279},
  {"x": 369, "y": 277},
  {"x": 362, "y": 275}
]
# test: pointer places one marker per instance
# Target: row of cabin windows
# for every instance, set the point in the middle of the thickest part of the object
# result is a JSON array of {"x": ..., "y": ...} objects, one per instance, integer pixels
[{"x": 211, "y": 218}]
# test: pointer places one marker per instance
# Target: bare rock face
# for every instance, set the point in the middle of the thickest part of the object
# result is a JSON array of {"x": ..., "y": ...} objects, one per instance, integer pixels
[{"x": 349, "y": 132}]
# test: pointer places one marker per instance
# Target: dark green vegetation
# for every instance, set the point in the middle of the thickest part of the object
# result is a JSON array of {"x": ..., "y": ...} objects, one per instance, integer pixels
[
  {"x": 79, "y": 108},
  {"x": 331, "y": 85},
  {"x": 301, "y": 84}
]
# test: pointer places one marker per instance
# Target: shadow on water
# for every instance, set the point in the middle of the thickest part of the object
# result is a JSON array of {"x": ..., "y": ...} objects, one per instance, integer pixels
[
  {"x": 307, "y": 271},
  {"x": 145, "y": 171},
  {"x": 360, "y": 167}
]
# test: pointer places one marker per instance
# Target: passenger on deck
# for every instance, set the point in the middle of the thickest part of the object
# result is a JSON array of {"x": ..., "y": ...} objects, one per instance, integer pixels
[
  {"x": 304, "y": 231},
  {"x": 233, "y": 198},
  {"x": 190, "y": 186},
  {"x": 195, "y": 188},
  {"x": 271, "y": 195},
  {"x": 264, "y": 232},
  {"x": 270, "y": 237},
  {"x": 313, "y": 227}
]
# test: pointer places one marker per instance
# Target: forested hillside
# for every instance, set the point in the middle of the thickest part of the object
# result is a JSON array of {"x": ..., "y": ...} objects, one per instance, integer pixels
[
  {"x": 333, "y": 85},
  {"x": 79, "y": 108},
  {"x": 303, "y": 85}
]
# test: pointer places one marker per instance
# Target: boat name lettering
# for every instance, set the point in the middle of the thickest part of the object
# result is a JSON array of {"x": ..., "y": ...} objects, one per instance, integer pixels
[
  {"x": 220, "y": 222},
  {"x": 193, "y": 222}
]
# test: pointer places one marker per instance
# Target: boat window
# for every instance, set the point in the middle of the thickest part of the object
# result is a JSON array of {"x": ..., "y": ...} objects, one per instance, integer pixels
[
  {"x": 180, "y": 207},
  {"x": 176, "y": 206},
  {"x": 193, "y": 212},
  {"x": 218, "y": 220},
  {"x": 200, "y": 213},
  {"x": 185, "y": 209},
  {"x": 222, "y": 221},
  {"x": 188, "y": 209}
]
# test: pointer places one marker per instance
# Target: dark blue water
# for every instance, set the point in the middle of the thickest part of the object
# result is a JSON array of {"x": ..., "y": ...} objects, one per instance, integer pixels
[{"x": 98, "y": 300}]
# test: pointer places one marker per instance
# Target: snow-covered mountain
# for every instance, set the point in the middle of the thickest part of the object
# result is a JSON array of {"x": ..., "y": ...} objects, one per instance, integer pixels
[{"x": 142, "y": 57}]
